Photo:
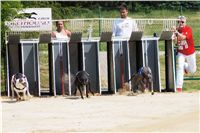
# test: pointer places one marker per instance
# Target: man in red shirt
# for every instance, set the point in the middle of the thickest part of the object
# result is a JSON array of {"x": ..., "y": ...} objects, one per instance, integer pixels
[{"x": 186, "y": 57}]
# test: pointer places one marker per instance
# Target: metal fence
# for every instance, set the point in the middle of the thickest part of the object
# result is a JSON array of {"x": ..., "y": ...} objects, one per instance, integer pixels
[{"x": 148, "y": 26}]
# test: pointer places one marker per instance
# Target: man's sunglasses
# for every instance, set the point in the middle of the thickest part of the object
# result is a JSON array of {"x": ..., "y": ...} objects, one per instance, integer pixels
[{"x": 180, "y": 21}]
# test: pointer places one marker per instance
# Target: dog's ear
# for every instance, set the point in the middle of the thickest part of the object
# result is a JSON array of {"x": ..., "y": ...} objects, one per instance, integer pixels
[
  {"x": 13, "y": 78},
  {"x": 24, "y": 76},
  {"x": 87, "y": 74},
  {"x": 146, "y": 71},
  {"x": 148, "y": 68},
  {"x": 77, "y": 73}
]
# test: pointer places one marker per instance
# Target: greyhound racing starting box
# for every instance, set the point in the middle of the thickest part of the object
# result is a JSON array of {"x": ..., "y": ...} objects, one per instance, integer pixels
[
  {"x": 22, "y": 56},
  {"x": 59, "y": 67},
  {"x": 69, "y": 57},
  {"x": 126, "y": 56},
  {"x": 121, "y": 68},
  {"x": 144, "y": 51}
]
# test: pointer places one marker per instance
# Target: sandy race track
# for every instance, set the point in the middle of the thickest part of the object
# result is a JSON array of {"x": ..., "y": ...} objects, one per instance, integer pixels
[{"x": 162, "y": 112}]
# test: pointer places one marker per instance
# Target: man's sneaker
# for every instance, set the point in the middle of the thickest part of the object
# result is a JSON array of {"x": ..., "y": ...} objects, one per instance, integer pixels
[
  {"x": 179, "y": 89},
  {"x": 186, "y": 72}
]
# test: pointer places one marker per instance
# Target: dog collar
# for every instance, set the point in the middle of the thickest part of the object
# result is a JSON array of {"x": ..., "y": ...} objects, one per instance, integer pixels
[
  {"x": 141, "y": 70},
  {"x": 17, "y": 87}
]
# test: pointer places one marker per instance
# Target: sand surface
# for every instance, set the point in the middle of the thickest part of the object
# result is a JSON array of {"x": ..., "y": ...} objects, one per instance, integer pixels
[{"x": 162, "y": 112}]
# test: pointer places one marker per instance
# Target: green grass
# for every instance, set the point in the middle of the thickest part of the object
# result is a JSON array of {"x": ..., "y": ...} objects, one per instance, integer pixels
[
  {"x": 162, "y": 71},
  {"x": 44, "y": 66},
  {"x": 191, "y": 85}
]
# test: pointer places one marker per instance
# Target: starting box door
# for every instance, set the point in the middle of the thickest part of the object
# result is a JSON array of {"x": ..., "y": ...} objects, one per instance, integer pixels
[
  {"x": 145, "y": 53},
  {"x": 151, "y": 59},
  {"x": 30, "y": 65},
  {"x": 91, "y": 63},
  {"x": 121, "y": 62},
  {"x": 22, "y": 57},
  {"x": 59, "y": 68}
]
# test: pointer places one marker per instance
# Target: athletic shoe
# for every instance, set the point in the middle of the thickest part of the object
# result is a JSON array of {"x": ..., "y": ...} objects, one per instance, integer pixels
[{"x": 179, "y": 89}]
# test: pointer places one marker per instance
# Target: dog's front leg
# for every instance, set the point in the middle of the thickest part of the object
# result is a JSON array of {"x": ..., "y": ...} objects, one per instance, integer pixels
[
  {"x": 12, "y": 89},
  {"x": 75, "y": 90},
  {"x": 142, "y": 86},
  {"x": 134, "y": 88},
  {"x": 89, "y": 88},
  {"x": 79, "y": 88},
  {"x": 18, "y": 96},
  {"x": 151, "y": 85},
  {"x": 87, "y": 91},
  {"x": 24, "y": 95},
  {"x": 27, "y": 88}
]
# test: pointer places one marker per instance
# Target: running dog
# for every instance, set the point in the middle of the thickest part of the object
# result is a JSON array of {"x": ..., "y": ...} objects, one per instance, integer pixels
[
  {"x": 82, "y": 81},
  {"x": 19, "y": 84},
  {"x": 142, "y": 80}
]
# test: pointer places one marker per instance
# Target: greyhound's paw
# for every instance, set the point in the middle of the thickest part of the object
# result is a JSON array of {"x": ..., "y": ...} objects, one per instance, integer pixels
[
  {"x": 132, "y": 94},
  {"x": 30, "y": 96},
  {"x": 88, "y": 96},
  {"x": 19, "y": 98}
]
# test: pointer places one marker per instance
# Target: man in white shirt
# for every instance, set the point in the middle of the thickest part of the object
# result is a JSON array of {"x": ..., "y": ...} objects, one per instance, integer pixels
[{"x": 123, "y": 26}]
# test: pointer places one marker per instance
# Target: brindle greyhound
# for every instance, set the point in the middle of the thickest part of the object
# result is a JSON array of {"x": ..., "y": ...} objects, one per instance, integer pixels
[{"x": 142, "y": 80}]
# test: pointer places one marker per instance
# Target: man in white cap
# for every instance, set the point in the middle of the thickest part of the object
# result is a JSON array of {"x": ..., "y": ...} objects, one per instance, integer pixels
[{"x": 186, "y": 57}]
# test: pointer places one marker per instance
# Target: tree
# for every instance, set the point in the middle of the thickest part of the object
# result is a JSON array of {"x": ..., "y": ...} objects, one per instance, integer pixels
[{"x": 8, "y": 10}]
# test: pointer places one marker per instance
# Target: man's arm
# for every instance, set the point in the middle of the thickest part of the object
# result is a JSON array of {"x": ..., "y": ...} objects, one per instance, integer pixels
[
  {"x": 53, "y": 35},
  {"x": 180, "y": 36},
  {"x": 114, "y": 28},
  {"x": 68, "y": 33}
]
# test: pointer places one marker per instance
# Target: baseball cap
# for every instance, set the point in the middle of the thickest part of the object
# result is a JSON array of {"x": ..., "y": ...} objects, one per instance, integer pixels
[{"x": 182, "y": 18}]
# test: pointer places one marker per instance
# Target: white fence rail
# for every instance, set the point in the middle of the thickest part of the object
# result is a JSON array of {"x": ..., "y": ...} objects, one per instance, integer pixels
[{"x": 148, "y": 26}]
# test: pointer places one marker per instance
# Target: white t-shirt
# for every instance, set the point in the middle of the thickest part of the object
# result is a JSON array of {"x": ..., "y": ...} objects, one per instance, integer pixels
[{"x": 124, "y": 27}]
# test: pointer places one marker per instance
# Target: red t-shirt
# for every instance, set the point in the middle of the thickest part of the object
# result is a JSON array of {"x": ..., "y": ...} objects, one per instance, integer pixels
[{"x": 186, "y": 47}]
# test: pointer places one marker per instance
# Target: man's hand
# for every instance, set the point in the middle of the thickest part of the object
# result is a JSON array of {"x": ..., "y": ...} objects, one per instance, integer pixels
[{"x": 174, "y": 29}]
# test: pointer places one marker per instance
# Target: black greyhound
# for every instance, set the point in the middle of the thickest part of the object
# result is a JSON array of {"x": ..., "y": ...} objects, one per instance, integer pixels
[{"x": 82, "y": 80}]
